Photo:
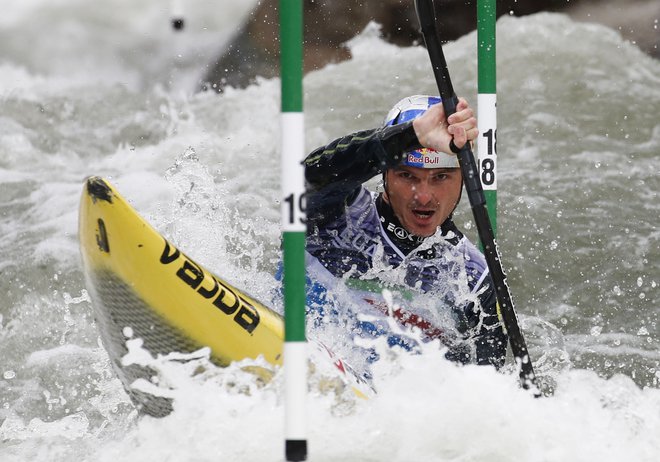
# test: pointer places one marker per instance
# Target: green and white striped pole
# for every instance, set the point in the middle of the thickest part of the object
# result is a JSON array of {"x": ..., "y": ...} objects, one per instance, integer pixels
[
  {"x": 487, "y": 105},
  {"x": 293, "y": 229}
]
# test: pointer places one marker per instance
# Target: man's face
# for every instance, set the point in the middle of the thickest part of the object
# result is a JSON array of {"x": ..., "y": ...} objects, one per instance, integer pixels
[{"x": 422, "y": 199}]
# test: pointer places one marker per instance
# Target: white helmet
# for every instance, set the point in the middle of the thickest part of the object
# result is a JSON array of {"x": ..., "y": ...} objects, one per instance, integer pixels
[{"x": 408, "y": 109}]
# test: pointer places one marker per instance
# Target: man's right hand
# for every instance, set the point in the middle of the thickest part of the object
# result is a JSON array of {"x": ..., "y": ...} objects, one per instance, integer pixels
[{"x": 433, "y": 131}]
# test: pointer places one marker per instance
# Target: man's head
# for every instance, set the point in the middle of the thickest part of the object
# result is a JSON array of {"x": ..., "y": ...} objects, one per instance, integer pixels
[{"x": 425, "y": 188}]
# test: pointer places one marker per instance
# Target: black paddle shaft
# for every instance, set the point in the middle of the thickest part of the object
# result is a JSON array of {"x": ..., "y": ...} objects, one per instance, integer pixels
[{"x": 475, "y": 192}]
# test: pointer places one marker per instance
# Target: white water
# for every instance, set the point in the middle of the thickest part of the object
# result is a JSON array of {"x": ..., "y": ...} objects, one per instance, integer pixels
[{"x": 106, "y": 89}]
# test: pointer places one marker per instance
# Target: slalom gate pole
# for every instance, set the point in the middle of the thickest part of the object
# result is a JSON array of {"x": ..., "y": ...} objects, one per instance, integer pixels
[
  {"x": 475, "y": 192},
  {"x": 293, "y": 229},
  {"x": 487, "y": 104},
  {"x": 177, "y": 18}
]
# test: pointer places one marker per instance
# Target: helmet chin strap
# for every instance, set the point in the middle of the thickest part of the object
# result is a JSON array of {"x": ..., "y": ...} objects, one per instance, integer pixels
[{"x": 386, "y": 193}]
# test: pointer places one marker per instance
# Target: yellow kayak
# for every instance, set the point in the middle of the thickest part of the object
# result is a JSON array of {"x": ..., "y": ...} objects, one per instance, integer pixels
[{"x": 142, "y": 286}]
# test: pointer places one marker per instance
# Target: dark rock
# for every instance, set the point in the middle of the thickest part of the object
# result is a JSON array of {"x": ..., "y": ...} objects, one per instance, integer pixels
[{"x": 328, "y": 24}]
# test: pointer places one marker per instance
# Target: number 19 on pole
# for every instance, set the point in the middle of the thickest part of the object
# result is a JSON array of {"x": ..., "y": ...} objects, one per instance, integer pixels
[
  {"x": 293, "y": 176},
  {"x": 294, "y": 205}
]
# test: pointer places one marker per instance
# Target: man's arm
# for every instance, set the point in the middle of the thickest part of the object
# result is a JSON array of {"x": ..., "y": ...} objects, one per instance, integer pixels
[
  {"x": 484, "y": 339},
  {"x": 491, "y": 341},
  {"x": 334, "y": 173}
]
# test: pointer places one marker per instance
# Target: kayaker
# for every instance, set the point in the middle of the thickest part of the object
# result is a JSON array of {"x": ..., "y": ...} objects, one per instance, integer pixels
[{"x": 402, "y": 238}]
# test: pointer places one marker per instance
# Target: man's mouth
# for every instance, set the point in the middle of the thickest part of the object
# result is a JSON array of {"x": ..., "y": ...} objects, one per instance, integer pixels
[{"x": 423, "y": 214}]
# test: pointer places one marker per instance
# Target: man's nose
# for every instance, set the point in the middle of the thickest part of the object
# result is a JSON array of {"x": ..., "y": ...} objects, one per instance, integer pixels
[{"x": 423, "y": 193}]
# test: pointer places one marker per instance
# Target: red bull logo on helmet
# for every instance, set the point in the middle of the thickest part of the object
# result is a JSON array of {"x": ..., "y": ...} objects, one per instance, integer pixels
[{"x": 429, "y": 158}]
